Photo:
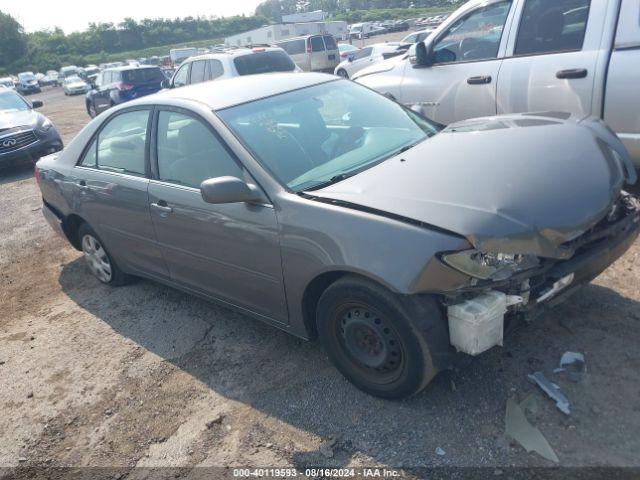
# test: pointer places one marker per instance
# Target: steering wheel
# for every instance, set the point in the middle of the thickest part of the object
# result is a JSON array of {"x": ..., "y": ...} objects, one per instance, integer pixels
[{"x": 466, "y": 46}]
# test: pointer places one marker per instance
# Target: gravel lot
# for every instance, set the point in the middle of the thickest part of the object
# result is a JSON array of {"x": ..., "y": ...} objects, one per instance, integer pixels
[{"x": 145, "y": 375}]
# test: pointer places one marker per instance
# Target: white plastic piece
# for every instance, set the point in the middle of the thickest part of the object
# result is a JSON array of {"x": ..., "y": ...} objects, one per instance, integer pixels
[{"x": 478, "y": 324}]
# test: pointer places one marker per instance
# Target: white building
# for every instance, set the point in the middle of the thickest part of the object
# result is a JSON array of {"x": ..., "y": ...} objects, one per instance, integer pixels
[{"x": 274, "y": 33}]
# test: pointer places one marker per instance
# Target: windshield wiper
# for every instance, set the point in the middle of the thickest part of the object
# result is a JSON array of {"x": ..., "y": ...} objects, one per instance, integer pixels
[{"x": 335, "y": 179}]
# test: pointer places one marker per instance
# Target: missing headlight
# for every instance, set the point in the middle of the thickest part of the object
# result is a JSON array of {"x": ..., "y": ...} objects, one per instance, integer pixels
[{"x": 490, "y": 266}]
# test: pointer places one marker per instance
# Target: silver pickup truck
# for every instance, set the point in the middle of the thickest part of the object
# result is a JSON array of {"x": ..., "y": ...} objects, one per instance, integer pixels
[{"x": 510, "y": 56}]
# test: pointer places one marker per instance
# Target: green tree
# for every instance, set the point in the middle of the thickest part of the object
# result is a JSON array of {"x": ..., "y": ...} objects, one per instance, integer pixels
[{"x": 13, "y": 42}]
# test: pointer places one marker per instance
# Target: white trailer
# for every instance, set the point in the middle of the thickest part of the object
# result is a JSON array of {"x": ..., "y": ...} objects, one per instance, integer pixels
[
  {"x": 274, "y": 33},
  {"x": 178, "y": 55}
]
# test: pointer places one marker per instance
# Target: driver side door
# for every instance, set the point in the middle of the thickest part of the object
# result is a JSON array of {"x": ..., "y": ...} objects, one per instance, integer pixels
[{"x": 462, "y": 82}]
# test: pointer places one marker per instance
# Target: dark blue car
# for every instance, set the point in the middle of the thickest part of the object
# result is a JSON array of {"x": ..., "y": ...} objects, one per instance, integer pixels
[{"x": 118, "y": 85}]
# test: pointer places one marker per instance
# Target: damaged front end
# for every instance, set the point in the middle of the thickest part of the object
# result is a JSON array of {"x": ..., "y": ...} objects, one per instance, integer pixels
[{"x": 506, "y": 289}]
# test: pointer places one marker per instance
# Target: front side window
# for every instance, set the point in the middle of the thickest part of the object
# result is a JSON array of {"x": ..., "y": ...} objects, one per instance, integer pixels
[
  {"x": 120, "y": 145},
  {"x": 317, "y": 45},
  {"x": 364, "y": 53},
  {"x": 549, "y": 26},
  {"x": 308, "y": 137},
  {"x": 475, "y": 36},
  {"x": 182, "y": 76},
  {"x": 197, "y": 71},
  {"x": 189, "y": 152}
]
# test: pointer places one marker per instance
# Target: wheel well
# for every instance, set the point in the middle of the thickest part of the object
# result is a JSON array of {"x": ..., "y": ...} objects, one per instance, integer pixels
[
  {"x": 71, "y": 224},
  {"x": 312, "y": 294}
]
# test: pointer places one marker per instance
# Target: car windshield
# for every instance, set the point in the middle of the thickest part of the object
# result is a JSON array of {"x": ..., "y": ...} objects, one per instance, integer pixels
[
  {"x": 324, "y": 133},
  {"x": 73, "y": 79},
  {"x": 11, "y": 102},
  {"x": 25, "y": 77},
  {"x": 264, "y": 62}
]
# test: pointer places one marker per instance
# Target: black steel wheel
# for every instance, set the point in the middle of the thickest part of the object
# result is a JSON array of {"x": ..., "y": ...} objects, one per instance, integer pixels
[{"x": 374, "y": 338}]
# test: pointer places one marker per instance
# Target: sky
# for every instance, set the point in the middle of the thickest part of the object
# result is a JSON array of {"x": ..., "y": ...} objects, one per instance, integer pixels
[{"x": 76, "y": 15}]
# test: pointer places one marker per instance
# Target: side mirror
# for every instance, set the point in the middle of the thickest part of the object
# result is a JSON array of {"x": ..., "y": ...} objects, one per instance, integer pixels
[
  {"x": 165, "y": 84},
  {"x": 37, "y": 104},
  {"x": 228, "y": 190},
  {"x": 424, "y": 54},
  {"x": 350, "y": 58}
]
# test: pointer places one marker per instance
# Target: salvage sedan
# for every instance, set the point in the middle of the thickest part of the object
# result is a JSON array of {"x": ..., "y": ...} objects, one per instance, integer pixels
[{"x": 327, "y": 210}]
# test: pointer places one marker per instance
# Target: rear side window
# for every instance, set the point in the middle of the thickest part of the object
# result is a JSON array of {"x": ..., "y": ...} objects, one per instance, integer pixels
[
  {"x": 264, "y": 62},
  {"x": 120, "y": 145},
  {"x": 215, "y": 69},
  {"x": 364, "y": 53},
  {"x": 330, "y": 42},
  {"x": 317, "y": 45},
  {"x": 549, "y": 26},
  {"x": 197, "y": 71},
  {"x": 294, "y": 47},
  {"x": 142, "y": 75},
  {"x": 189, "y": 153}
]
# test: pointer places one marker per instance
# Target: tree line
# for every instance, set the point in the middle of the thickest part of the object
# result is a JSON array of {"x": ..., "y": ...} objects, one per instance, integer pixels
[{"x": 50, "y": 49}]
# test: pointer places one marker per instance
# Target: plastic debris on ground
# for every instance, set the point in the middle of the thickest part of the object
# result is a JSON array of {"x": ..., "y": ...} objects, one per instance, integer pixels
[
  {"x": 440, "y": 451},
  {"x": 573, "y": 363},
  {"x": 552, "y": 390},
  {"x": 518, "y": 427}
]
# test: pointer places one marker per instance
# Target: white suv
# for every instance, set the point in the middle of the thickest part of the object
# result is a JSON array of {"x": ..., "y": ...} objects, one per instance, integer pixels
[{"x": 232, "y": 62}]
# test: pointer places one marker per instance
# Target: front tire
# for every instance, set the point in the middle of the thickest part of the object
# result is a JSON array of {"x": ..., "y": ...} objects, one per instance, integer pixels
[
  {"x": 98, "y": 259},
  {"x": 343, "y": 73},
  {"x": 374, "y": 338},
  {"x": 91, "y": 109}
]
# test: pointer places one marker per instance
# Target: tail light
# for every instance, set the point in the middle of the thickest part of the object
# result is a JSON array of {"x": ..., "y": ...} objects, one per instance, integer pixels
[
  {"x": 124, "y": 86},
  {"x": 36, "y": 174},
  {"x": 256, "y": 50},
  {"x": 308, "y": 45}
]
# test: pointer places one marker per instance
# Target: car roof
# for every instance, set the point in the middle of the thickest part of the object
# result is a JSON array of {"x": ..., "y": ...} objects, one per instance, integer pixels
[
  {"x": 229, "y": 92},
  {"x": 234, "y": 51},
  {"x": 128, "y": 67}
]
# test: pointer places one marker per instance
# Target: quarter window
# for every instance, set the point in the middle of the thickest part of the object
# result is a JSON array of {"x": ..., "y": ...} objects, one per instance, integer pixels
[
  {"x": 120, "y": 145},
  {"x": 215, "y": 69},
  {"x": 189, "y": 153},
  {"x": 474, "y": 37},
  {"x": 549, "y": 26}
]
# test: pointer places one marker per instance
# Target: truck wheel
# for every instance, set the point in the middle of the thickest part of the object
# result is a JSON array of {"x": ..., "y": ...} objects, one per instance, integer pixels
[
  {"x": 374, "y": 338},
  {"x": 343, "y": 73},
  {"x": 98, "y": 259}
]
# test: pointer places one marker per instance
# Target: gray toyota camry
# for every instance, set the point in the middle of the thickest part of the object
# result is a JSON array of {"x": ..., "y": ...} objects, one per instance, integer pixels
[{"x": 327, "y": 210}]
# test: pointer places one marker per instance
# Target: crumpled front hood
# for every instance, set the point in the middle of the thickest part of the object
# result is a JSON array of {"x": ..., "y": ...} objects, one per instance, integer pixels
[
  {"x": 11, "y": 119},
  {"x": 512, "y": 184}
]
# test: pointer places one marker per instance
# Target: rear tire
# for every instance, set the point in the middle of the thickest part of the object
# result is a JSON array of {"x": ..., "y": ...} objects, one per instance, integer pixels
[
  {"x": 374, "y": 338},
  {"x": 91, "y": 110},
  {"x": 98, "y": 259}
]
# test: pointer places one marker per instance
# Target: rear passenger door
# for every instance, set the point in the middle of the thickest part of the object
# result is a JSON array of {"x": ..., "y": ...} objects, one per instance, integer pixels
[
  {"x": 111, "y": 191},
  {"x": 552, "y": 58},
  {"x": 227, "y": 251}
]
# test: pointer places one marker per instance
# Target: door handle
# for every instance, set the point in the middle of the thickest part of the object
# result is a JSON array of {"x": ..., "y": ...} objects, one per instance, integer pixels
[
  {"x": 479, "y": 80},
  {"x": 572, "y": 73},
  {"x": 162, "y": 207},
  {"x": 82, "y": 185}
]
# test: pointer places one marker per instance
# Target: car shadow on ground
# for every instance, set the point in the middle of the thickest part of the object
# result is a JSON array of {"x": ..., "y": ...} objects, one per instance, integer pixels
[
  {"x": 460, "y": 411},
  {"x": 16, "y": 173}
]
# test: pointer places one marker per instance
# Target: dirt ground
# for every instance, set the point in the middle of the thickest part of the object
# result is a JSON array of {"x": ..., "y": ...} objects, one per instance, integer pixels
[{"x": 145, "y": 375}]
